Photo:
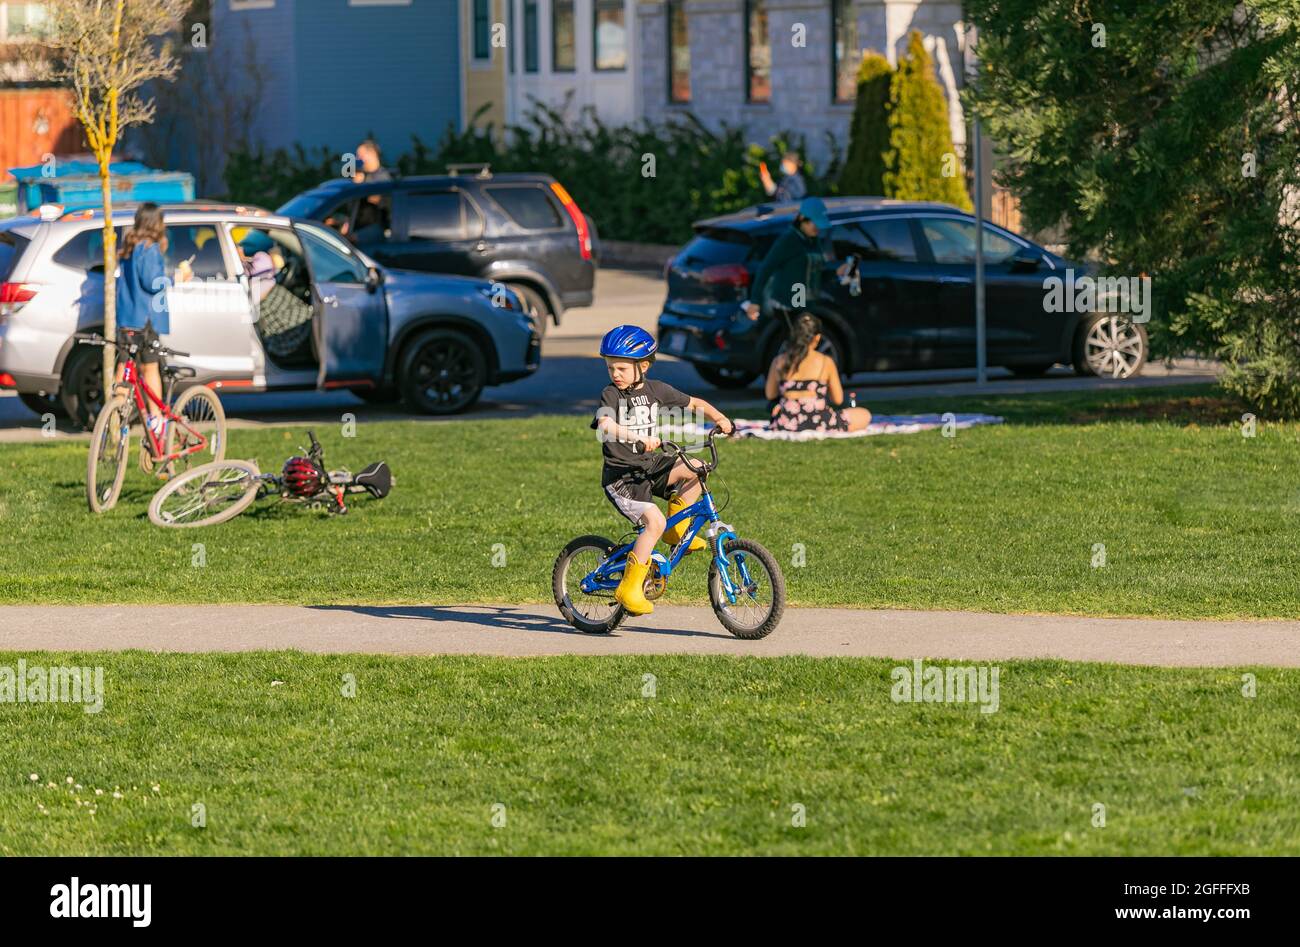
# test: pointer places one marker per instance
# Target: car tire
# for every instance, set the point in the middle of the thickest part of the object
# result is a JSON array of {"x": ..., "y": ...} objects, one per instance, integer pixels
[
  {"x": 44, "y": 404},
  {"x": 443, "y": 372},
  {"x": 82, "y": 391},
  {"x": 731, "y": 378},
  {"x": 534, "y": 303},
  {"x": 1110, "y": 346}
]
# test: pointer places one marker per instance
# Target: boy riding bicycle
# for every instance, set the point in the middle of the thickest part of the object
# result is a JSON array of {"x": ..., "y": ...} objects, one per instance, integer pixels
[{"x": 628, "y": 423}]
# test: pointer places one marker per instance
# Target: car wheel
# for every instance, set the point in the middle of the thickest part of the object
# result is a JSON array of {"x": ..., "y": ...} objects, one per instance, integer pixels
[
  {"x": 443, "y": 372},
  {"x": 44, "y": 404},
  {"x": 535, "y": 304},
  {"x": 726, "y": 377},
  {"x": 82, "y": 392},
  {"x": 1110, "y": 346}
]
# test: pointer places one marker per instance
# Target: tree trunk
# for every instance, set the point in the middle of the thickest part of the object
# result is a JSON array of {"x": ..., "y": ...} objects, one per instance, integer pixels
[{"x": 110, "y": 280}]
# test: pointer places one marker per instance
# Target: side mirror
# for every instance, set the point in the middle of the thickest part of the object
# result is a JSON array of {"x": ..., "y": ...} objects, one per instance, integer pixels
[
  {"x": 374, "y": 278},
  {"x": 1025, "y": 260}
]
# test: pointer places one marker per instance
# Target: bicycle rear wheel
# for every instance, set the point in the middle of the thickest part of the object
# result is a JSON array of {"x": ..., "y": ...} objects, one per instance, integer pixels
[
  {"x": 204, "y": 417},
  {"x": 759, "y": 589},
  {"x": 106, "y": 466},
  {"x": 597, "y": 613},
  {"x": 206, "y": 495}
]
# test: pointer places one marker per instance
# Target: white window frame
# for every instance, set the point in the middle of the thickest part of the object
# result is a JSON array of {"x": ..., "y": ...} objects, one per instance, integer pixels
[
  {"x": 379, "y": 3},
  {"x": 238, "y": 6}
]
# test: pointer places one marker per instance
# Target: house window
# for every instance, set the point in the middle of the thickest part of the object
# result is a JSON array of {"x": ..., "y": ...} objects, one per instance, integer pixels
[
  {"x": 25, "y": 21},
  {"x": 758, "y": 53},
  {"x": 482, "y": 29},
  {"x": 196, "y": 26},
  {"x": 530, "y": 35},
  {"x": 563, "y": 51},
  {"x": 679, "y": 53},
  {"x": 609, "y": 38},
  {"x": 844, "y": 52}
]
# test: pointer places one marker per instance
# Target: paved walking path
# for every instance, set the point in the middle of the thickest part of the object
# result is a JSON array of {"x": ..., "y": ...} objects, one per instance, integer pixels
[{"x": 538, "y": 630}]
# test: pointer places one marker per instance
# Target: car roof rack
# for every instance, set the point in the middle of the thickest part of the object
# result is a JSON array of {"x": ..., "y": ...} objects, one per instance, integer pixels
[
  {"x": 480, "y": 169},
  {"x": 86, "y": 212}
]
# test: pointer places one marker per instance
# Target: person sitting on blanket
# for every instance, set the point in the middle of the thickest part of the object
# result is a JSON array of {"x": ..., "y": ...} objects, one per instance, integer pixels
[{"x": 805, "y": 384}]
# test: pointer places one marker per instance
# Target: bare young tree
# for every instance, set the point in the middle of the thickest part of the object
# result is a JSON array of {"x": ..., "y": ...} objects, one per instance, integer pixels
[{"x": 105, "y": 50}]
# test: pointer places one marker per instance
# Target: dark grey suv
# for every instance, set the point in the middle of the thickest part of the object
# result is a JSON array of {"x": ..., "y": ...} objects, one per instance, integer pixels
[{"x": 523, "y": 230}]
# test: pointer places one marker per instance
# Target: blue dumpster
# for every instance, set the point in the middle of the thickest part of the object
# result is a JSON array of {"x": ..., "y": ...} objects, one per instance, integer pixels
[{"x": 75, "y": 184}]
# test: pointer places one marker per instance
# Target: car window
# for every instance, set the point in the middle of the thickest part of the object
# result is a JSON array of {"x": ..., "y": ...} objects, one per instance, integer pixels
[
  {"x": 441, "y": 215},
  {"x": 199, "y": 244},
  {"x": 340, "y": 218},
  {"x": 890, "y": 239},
  {"x": 85, "y": 251},
  {"x": 717, "y": 245},
  {"x": 11, "y": 248},
  {"x": 284, "y": 250},
  {"x": 848, "y": 239},
  {"x": 373, "y": 220},
  {"x": 530, "y": 207},
  {"x": 953, "y": 241},
  {"x": 331, "y": 261}
]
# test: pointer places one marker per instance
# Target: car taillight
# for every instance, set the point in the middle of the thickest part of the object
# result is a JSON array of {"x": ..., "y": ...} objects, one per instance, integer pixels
[
  {"x": 579, "y": 218},
  {"x": 7, "y": 380},
  {"x": 730, "y": 274},
  {"x": 13, "y": 296}
]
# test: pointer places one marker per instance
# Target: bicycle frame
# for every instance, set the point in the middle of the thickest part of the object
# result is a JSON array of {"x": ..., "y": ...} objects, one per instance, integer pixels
[
  {"x": 131, "y": 378},
  {"x": 701, "y": 513}
]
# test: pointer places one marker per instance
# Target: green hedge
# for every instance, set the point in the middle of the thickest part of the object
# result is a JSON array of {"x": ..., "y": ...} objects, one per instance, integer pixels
[{"x": 645, "y": 182}]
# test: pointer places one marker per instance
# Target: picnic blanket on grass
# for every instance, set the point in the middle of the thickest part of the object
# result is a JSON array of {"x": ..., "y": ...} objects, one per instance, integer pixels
[{"x": 880, "y": 424}]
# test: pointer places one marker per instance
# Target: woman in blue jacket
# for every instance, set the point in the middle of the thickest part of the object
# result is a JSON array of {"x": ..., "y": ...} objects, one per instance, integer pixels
[{"x": 142, "y": 282}]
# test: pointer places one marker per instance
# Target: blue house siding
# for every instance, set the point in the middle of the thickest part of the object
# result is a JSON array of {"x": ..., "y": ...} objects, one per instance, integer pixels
[
  {"x": 332, "y": 73},
  {"x": 393, "y": 71}
]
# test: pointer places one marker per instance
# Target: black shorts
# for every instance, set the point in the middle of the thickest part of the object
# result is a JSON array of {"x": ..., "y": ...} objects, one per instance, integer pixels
[
  {"x": 632, "y": 491},
  {"x": 148, "y": 341}
]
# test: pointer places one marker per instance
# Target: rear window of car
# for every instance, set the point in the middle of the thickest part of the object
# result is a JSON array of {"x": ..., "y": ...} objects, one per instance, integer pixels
[
  {"x": 11, "y": 248},
  {"x": 529, "y": 207},
  {"x": 85, "y": 251},
  {"x": 717, "y": 245}
]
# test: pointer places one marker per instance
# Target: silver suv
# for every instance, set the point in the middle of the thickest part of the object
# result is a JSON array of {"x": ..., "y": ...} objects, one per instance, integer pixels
[{"x": 330, "y": 318}]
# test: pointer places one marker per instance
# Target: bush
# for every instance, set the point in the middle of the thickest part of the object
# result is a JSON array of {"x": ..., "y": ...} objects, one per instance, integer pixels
[
  {"x": 920, "y": 138},
  {"x": 869, "y": 148},
  {"x": 697, "y": 172}
]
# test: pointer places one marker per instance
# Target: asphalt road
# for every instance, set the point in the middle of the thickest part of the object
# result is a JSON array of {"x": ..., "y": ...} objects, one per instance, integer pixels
[
  {"x": 539, "y": 630},
  {"x": 571, "y": 376}
]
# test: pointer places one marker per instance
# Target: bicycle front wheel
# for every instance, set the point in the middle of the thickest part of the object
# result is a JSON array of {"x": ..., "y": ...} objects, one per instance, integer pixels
[
  {"x": 757, "y": 586},
  {"x": 201, "y": 437},
  {"x": 206, "y": 495},
  {"x": 106, "y": 466}
]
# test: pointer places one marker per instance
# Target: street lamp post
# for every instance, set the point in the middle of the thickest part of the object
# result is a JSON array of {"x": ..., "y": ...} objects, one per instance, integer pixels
[{"x": 981, "y": 351}]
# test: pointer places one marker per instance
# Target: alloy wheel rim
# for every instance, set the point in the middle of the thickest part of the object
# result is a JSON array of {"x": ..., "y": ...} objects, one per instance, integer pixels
[{"x": 1113, "y": 348}]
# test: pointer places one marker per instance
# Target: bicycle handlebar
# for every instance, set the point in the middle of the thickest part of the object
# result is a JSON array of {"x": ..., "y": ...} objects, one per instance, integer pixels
[{"x": 93, "y": 338}]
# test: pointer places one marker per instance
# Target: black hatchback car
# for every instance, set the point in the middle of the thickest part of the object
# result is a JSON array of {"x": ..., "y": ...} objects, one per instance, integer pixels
[
  {"x": 523, "y": 230},
  {"x": 915, "y": 308}
]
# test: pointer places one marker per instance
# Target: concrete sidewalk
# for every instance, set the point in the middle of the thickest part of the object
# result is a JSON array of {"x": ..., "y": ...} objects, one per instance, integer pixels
[{"x": 538, "y": 630}]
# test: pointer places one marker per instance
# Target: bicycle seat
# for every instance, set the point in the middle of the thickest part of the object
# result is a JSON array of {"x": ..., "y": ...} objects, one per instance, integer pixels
[
  {"x": 377, "y": 479},
  {"x": 180, "y": 371}
]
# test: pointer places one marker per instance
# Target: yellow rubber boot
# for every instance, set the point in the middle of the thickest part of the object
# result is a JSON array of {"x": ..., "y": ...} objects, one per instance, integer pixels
[
  {"x": 673, "y": 534},
  {"x": 631, "y": 589}
]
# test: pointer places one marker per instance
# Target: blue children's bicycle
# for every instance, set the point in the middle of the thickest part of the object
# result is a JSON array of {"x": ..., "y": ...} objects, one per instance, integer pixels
[{"x": 746, "y": 586}]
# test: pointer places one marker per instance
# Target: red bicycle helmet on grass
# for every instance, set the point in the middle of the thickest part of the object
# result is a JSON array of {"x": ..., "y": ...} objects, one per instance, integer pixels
[{"x": 302, "y": 478}]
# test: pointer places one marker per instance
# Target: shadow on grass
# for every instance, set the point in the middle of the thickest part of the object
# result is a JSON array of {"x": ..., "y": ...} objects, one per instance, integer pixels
[{"x": 500, "y": 617}]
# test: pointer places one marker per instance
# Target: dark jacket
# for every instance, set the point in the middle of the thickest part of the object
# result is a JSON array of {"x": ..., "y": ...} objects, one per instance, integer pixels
[
  {"x": 142, "y": 290},
  {"x": 791, "y": 188},
  {"x": 793, "y": 259}
]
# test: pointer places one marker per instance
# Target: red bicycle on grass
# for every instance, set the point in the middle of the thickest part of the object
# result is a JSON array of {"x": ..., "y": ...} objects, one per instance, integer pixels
[{"x": 194, "y": 427}]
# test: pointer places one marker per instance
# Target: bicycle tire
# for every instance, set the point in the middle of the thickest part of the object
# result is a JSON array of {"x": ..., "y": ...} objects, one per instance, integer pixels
[
  {"x": 183, "y": 481},
  {"x": 101, "y": 492},
  {"x": 216, "y": 449},
  {"x": 718, "y": 598},
  {"x": 573, "y": 615}
]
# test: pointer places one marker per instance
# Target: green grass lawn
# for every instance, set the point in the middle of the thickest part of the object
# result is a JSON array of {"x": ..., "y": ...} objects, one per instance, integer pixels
[
  {"x": 713, "y": 763},
  {"x": 1196, "y": 520}
]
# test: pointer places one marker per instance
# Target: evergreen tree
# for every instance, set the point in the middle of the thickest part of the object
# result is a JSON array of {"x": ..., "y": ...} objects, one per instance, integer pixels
[
  {"x": 920, "y": 139},
  {"x": 864, "y": 168}
]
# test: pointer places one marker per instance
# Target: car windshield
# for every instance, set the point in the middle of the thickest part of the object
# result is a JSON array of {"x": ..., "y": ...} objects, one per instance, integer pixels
[{"x": 304, "y": 205}]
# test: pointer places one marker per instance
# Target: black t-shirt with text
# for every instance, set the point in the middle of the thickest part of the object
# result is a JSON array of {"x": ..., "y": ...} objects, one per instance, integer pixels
[{"x": 636, "y": 409}]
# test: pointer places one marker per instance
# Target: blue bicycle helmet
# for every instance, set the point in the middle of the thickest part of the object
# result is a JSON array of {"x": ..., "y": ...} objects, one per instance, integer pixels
[{"x": 628, "y": 342}]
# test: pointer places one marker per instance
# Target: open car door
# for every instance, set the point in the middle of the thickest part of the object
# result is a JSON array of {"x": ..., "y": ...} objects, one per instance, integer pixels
[{"x": 351, "y": 319}]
